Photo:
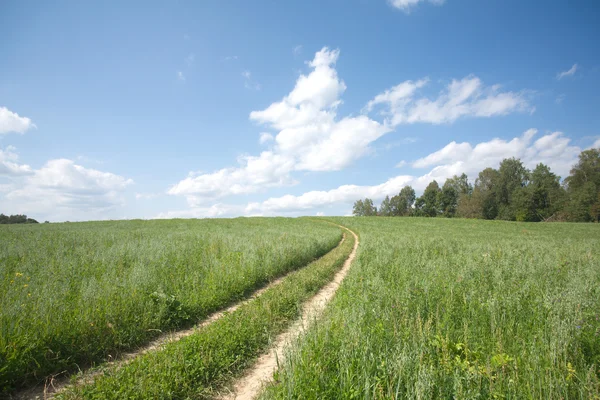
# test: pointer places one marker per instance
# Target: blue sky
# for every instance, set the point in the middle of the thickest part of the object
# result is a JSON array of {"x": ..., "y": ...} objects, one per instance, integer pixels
[{"x": 114, "y": 110}]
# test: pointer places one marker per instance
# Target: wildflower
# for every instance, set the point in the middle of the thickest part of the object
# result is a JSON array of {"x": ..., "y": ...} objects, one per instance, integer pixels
[
  {"x": 18, "y": 274},
  {"x": 91, "y": 324},
  {"x": 25, "y": 285},
  {"x": 28, "y": 294}
]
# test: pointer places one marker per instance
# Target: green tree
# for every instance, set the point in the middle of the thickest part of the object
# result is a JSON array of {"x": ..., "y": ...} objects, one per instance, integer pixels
[
  {"x": 512, "y": 176},
  {"x": 385, "y": 209},
  {"x": 541, "y": 198},
  {"x": 451, "y": 193},
  {"x": 403, "y": 202},
  {"x": 485, "y": 193},
  {"x": 364, "y": 208},
  {"x": 583, "y": 187},
  {"x": 429, "y": 198}
]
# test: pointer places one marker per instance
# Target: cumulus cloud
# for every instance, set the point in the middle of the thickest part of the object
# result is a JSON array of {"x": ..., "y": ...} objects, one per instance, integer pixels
[
  {"x": 265, "y": 138},
  {"x": 407, "y": 5},
  {"x": 62, "y": 189},
  {"x": 311, "y": 138},
  {"x": 12, "y": 122},
  {"x": 467, "y": 97},
  {"x": 569, "y": 72},
  {"x": 552, "y": 149},
  {"x": 9, "y": 167}
]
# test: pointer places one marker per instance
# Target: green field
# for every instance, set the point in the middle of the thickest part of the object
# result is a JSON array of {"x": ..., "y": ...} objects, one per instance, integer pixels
[
  {"x": 449, "y": 308},
  {"x": 431, "y": 307},
  {"x": 75, "y": 294}
]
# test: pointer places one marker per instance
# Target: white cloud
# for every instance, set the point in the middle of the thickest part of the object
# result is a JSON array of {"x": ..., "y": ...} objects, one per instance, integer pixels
[
  {"x": 553, "y": 149},
  {"x": 297, "y": 50},
  {"x": 407, "y": 5},
  {"x": 311, "y": 136},
  {"x": 230, "y": 58},
  {"x": 180, "y": 76},
  {"x": 214, "y": 211},
  {"x": 146, "y": 196},
  {"x": 570, "y": 72},
  {"x": 9, "y": 166},
  {"x": 265, "y": 138},
  {"x": 64, "y": 190},
  {"x": 267, "y": 170},
  {"x": 467, "y": 97},
  {"x": 12, "y": 122},
  {"x": 596, "y": 145},
  {"x": 345, "y": 194},
  {"x": 401, "y": 164}
]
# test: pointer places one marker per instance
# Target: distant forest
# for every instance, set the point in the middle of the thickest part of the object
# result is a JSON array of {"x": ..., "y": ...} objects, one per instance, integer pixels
[
  {"x": 16, "y": 219},
  {"x": 511, "y": 192}
]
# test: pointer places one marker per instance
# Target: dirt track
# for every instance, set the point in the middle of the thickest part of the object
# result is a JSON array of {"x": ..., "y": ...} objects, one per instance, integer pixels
[
  {"x": 55, "y": 386},
  {"x": 249, "y": 386}
]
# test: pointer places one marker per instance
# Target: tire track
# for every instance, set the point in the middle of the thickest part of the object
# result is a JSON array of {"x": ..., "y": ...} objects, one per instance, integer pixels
[
  {"x": 54, "y": 386},
  {"x": 249, "y": 386}
]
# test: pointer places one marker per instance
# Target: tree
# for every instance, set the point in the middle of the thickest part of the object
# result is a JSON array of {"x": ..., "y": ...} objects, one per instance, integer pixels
[
  {"x": 583, "y": 186},
  {"x": 403, "y": 202},
  {"x": 364, "y": 208},
  {"x": 16, "y": 219},
  {"x": 451, "y": 191},
  {"x": 469, "y": 206},
  {"x": 485, "y": 193},
  {"x": 358, "y": 208},
  {"x": 541, "y": 198},
  {"x": 512, "y": 176},
  {"x": 429, "y": 198},
  {"x": 385, "y": 209}
]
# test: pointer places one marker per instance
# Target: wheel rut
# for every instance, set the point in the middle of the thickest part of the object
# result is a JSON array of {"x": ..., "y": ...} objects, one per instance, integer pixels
[
  {"x": 54, "y": 386},
  {"x": 249, "y": 386}
]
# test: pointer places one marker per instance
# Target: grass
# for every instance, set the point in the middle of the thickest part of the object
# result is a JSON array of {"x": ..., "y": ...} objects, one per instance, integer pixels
[
  {"x": 76, "y": 294},
  {"x": 436, "y": 308},
  {"x": 197, "y": 365}
]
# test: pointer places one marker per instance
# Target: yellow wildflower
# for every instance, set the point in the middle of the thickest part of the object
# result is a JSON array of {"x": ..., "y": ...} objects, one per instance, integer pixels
[{"x": 18, "y": 274}]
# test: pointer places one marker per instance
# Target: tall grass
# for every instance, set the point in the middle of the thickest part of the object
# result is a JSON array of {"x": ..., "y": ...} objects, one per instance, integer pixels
[
  {"x": 436, "y": 308},
  {"x": 79, "y": 293},
  {"x": 197, "y": 366}
]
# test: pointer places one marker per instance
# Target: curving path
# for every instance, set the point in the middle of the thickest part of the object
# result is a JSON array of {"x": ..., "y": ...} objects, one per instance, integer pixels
[
  {"x": 249, "y": 386},
  {"x": 56, "y": 385}
]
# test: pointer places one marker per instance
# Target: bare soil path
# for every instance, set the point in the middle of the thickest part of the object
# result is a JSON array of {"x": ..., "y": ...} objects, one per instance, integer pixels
[
  {"x": 54, "y": 385},
  {"x": 249, "y": 386}
]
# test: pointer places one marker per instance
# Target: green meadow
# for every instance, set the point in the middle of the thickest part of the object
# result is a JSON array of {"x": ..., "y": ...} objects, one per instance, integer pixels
[
  {"x": 454, "y": 308},
  {"x": 76, "y": 294},
  {"x": 432, "y": 308}
]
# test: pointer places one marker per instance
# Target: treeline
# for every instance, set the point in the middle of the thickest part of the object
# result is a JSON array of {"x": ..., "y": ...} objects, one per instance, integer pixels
[
  {"x": 511, "y": 192},
  {"x": 16, "y": 219}
]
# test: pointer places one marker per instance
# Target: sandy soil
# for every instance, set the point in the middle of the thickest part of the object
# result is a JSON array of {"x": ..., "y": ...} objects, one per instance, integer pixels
[{"x": 249, "y": 386}]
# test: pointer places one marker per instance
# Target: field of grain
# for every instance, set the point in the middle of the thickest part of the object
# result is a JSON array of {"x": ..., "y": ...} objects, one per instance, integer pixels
[
  {"x": 430, "y": 308},
  {"x": 75, "y": 294},
  {"x": 440, "y": 308}
]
